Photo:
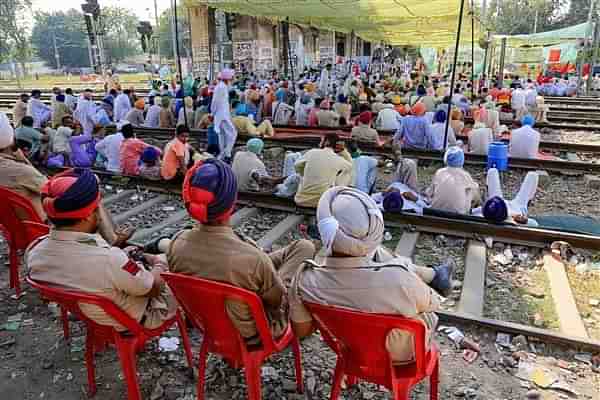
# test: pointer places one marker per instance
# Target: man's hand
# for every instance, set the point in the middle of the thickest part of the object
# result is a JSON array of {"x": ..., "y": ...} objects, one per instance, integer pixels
[{"x": 521, "y": 219}]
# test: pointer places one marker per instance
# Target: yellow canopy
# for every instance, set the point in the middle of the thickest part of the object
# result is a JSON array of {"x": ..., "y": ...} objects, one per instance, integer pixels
[{"x": 396, "y": 22}]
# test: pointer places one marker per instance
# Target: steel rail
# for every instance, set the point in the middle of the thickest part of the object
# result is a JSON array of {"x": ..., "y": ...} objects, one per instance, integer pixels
[{"x": 445, "y": 225}]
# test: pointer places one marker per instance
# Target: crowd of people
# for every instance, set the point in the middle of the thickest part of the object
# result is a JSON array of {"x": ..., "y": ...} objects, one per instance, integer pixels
[{"x": 335, "y": 178}]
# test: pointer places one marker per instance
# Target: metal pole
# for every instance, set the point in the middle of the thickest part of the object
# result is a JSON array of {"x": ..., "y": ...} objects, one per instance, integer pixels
[
  {"x": 585, "y": 47},
  {"x": 460, "y": 19},
  {"x": 177, "y": 57},
  {"x": 594, "y": 49},
  {"x": 157, "y": 36},
  {"x": 56, "y": 55},
  {"x": 472, "y": 52},
  {"x": 501, "y": 66}
]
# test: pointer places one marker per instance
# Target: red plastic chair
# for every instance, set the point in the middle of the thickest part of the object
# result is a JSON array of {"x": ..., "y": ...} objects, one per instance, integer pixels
[
  {"x": 98, "y": 336},
  {"x": 16, "y": 209},
  {"x": 359, "y": 339},
  {"x": 204, "y": 304}
]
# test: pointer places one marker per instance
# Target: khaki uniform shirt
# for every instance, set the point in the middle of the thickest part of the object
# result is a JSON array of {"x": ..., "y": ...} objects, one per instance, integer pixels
[
  {"x": 321, "y": 169},
  {"x": 85, "y": 262},
  {"x": 218, "y": 254},
  {"x": 340, "y": 281},
  {"x": 244, "y": 125},
  {"x": 364, "y": 133},
  {"x": 328, "y": 118},
  {"x": 19, "y": 111},
  {"x": 453, "y": 190},
  {"x": 24, "y": 179},
  {"x": 245, "y": 164}
]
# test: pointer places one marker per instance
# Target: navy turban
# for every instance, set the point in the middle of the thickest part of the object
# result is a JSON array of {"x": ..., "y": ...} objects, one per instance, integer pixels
[
  {"x": 495, "y": 210},
  {"x": 439, "y": 116},
  {"x": 73, "y": 194},
  {"x": 393, "y": 202}
]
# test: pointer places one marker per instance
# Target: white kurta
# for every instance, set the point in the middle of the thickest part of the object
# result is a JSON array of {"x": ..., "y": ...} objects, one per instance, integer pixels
[
  {"x": 524, "y": 142},
  {"x": 153, "y": 117},
  {"x": 325, "y": 81},
  {"x": 122, "y": 107},
  {"x": 39, "y": 111},
  {"x": 224, "y": 127},
  {"x": 86, "y": 115}
]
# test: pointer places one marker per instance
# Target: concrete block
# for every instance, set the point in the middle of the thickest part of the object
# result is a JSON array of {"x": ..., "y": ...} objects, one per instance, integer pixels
[{"x": 592, "y": 181}]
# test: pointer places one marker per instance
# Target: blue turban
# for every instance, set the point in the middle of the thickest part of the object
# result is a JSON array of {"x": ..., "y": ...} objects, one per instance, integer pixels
[
  {"x": 305, "y": 99},
  {"x": 255, "y": 145},
  {"x": 149, "y": 155},
  {"x": 102, "y": 118},
  {"x": 421, "y": 90},
  {"x": 210, "y": 191},
  {"x": 109, "y": 100},
  {"x": 454, "y": 157},
  {"x": 393, "y": 202},
  {"x": 60, "y": 98},
  {"x": 73, "y": 194},
  {"x": 241, "y": 109},
  {"x": 280, "y": 95},
  {"x": 439, "y": 116},
  {"x": 495, "y": 210},
  {"x": 528, "y": 120},
  {"x": 342, "y": 98}
]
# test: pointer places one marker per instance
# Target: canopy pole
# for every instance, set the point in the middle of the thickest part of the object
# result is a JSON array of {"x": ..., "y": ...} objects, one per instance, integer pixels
[
  {"x": 472, "y": 52},
  {"x": 500, "y": 80},
  {"x": 594, "y": 58},
  {"x": 177, "y": 54},
  {"x": 452, "y": 79}
]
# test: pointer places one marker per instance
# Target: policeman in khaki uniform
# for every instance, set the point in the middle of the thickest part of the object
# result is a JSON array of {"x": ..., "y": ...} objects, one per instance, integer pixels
[
  {"x": 74, "y": 256},
  {"x": 214, "y": 251}
]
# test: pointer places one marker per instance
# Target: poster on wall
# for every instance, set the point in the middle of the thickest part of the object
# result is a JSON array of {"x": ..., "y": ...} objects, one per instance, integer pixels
[
  {"x": 326, "y": 54},
  {"x": 242, "y": 55}
]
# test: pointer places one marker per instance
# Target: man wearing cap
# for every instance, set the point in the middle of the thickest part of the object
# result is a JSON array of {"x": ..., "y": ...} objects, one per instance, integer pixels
[
  {"x": 38, "y": 110},
  {"x": 220, "y": 109},
  {"x": 320, "y": 169},
  {"x": 498, "y": 210},
  {"x": 326, "y": 117},
  {"x": 209, "y": 194},
  {"x": 388, "y": 118},
  {"x": 131, "y": 150},
  {"x": 177, "y": 155},
  {"x": 75, "y": 256},
  {"x": 452, "y": 188},
  {"x": 415, "y": 132},
  {"x": 480, "y": 138},
  {"x": 122, "y": 105},
  {"x": 249, "y": 170},
  {"x": 355, "y": 271},
  {"x": 150, "y": 164},
  {"x": 525, "y": 141},
  {"x": 363, "y": 132},
  {"x": 110, "y": 147}
]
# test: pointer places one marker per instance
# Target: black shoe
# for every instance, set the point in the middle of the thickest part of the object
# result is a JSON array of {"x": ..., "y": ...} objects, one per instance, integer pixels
[{"x": 442, "y": 281}]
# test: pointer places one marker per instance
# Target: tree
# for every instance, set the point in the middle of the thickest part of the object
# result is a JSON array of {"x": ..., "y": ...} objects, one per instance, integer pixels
[
  {"x": 14, "y": 36},
  {"x": 120, "y": 35},
  {"x": 513, "y": 17},
  {"x": 578, "y": 12},
  {"x": 71, "y": 38},
  {"x": 166, "y": 32}
]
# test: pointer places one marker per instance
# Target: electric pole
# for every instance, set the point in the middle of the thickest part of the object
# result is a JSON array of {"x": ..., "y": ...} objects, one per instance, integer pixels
[
  {"x": 56, "y": 55},
  {"x": 157, "y": 35}
]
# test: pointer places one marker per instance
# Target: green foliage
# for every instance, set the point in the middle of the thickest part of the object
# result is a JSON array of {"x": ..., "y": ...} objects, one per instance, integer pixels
[
  {"x": 14, "y": 37},
  {"x": 71, "y": 38},
  {"x": 166, "y": 32},
  {"x": 120, "y": 35}
]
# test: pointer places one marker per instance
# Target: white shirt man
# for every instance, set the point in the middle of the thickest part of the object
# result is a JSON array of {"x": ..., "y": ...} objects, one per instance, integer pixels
[
  {"x": 525, "y": 141},
  {"x": 518, "y": 103},
  {"x": 388, "y": 119},
  {"x": 122, "y": 106},
  {"x": 480, "y": 139},
  {"x": 110, "y": 147},
  {"x": 153, "y": 115}
]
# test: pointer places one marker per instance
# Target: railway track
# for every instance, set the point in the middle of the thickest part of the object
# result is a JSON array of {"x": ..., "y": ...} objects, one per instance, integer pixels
[{"x": 151, "y": 199}]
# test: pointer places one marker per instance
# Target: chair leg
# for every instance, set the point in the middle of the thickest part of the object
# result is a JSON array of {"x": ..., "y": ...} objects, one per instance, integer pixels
[
  {"x": 351, "y": 380},
  {"x": 89, "y": 361},
  {"x": 64, "y": 315},
  {"x": 186, "y": 339},
  {"x": 401, "y": 390},
  {"x": 14, "y": 270},
  {"x": 298, "y": 365},
  {"x": 338, "y": 377},
  {"x": 434, "y": 381},
  {"x": 253, "y": 378},
  {"x": 202, "y": 368},
  {"x": 126, "y": 349}
]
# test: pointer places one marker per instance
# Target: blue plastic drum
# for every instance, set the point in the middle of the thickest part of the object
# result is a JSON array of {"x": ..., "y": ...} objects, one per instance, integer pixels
[{"x": 498, "y": 156}]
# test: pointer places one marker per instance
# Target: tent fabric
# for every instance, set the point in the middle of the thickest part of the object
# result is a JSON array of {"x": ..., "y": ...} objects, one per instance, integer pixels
[
  {"x": 397, "y": 22},
  {"x": 557, "y": 36}
]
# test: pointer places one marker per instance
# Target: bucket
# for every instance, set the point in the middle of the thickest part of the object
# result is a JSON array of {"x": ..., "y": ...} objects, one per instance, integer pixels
[{"x": 498, "y": 156}]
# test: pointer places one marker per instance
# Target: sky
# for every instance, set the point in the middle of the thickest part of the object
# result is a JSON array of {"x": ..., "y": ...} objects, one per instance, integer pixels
[{"x": 143, "y": 8}]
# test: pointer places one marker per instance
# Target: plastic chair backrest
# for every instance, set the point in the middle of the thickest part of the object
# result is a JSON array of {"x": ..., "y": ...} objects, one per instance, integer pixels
[
  {"x": 361, "y": 337},
  {"x": 34, "y": 230},
  {"x": 17, "y": 208},
  {"x": 71, "y": 299},
  {"x": 204, "y": 302}
]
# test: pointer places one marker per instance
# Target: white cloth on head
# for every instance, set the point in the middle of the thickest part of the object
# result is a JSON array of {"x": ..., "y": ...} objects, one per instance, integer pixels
[
  {"x": 349, "y": 221},
  {"x": 85, "y": 114},
  {"x": 122, "y": 106},
  {"x": 7, "y": 133}
]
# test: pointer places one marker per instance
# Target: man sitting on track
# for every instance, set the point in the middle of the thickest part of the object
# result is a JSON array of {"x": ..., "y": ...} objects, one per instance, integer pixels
[
  {"x": 355, "y": 271},
  {"x": 209, "y": 194},
  {"x": 74, "y": 256},
  {"x": 415, "y": 132},
  {"x": 245, "y": 125},
  {"x": 452, "y": 188},
  {"x": 480, "y": 139},
  {"x": 525, "y": 141},
  {"x": 320, "y": 169},
  {"x": 250, "y": 172},
  {"x": 131, "y": 151},
  {"x": 363, "y": 131},
  {"x": 177, "y": 155}
]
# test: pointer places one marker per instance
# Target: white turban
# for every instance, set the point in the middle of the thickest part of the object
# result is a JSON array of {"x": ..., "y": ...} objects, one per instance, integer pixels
[
  {"x": 7, "y": 134},
  {"x": 349, "y": 221}
]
